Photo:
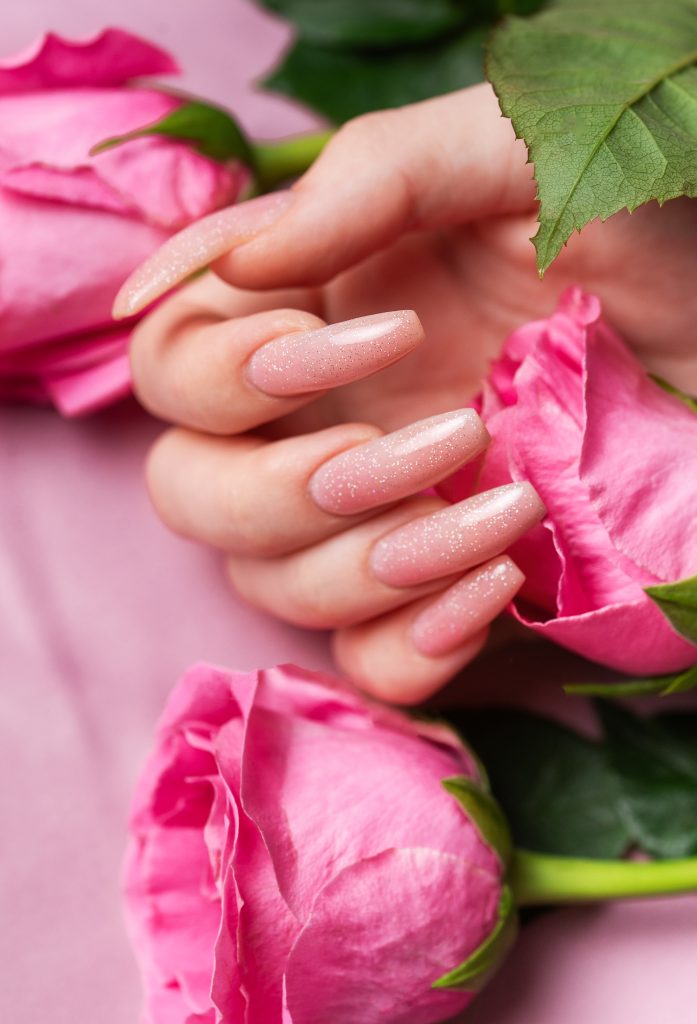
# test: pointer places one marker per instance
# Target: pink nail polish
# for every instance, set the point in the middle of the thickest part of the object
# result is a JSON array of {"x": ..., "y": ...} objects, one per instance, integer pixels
[
  {"x": 334, "y": 355},
  {"x": 466, "y": 607},
  {"x": 195, "y": 247},
  {"x": 398, "y": 464},
  {"x": 458, "y": 537}
]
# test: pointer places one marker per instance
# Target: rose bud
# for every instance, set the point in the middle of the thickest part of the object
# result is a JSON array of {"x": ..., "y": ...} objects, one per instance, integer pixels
[
  {"x": 74, "y": 225},
  {"x": 613, "y": 456},
  {"x": 297, "y": 858}
]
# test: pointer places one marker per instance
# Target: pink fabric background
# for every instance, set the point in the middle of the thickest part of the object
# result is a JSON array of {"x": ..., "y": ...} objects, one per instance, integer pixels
[{"x": 101, "y": 610}]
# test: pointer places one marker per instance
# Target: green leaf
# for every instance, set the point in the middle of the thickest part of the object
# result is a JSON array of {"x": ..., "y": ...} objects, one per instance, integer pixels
[
  {"x": 605, "y": 96},
  {"x": 484, "y": 811},
  {"x": 678, "y": 602},
  {"x": 212, "y": 131},
  {"x": 688, "y": 400},
  {"x": 678, "y": 682},
  {"x": 344, "y": 83},
  {"x": 478, "y": 968},
  {"x": 377, "y": 23},
  {"x": 554, "y": 787},
  {"x": 655, "y": 763}
]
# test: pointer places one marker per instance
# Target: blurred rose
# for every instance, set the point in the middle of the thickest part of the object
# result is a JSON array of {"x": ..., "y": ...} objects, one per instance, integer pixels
[
  {"x": 72, "y": 227},
  {"x": 296, "y": 858},
  {"x": 614, "y": 458}
]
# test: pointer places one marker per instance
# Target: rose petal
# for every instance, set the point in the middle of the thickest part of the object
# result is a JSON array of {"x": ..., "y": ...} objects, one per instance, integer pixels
[
  {"x": 90, "y": 389},
  {"x": 81, "y": 186},
  {"x": 59, "y": 128},
  {"x": 46, "y": 142},
  {"x": 174, "y": 924},
  {"x": 639, "y": 462},
  {"x": 355, "y": 962},
  {"x": 284, "y": 757},
  {"x": 635, "y": 637},
  {"x": 541, "y": 437},
  {"x": 109, "y": 58},
  {"x": 84, "y": 255}
]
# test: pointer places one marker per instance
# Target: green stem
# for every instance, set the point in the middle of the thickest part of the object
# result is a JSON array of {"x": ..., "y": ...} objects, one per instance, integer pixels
[
  {"x": 275, "y": 162},
  {"x": 540, "y": 878}
]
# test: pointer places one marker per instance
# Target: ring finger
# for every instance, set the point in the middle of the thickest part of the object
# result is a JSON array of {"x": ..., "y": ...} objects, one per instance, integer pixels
[{"x": 360, "y": 573}]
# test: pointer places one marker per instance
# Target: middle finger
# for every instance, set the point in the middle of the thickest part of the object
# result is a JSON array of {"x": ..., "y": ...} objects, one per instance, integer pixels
[{"x": 266, "y": 499}]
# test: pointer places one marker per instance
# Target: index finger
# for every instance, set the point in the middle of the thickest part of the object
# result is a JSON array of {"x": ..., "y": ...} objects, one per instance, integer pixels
[{"x": 195, "y": 367}]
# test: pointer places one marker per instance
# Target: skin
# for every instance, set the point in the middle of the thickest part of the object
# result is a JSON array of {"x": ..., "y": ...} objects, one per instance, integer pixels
[{"x": 430, "y": 208}]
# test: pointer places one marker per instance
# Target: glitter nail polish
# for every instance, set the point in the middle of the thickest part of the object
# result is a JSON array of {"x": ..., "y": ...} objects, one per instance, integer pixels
[
  {"x": 195, "y": 247},
  {"x": 398, "y": 464},
  {"x": 466, "y": 607},
  {"x": 458, "y": 537},
  {"x": 337, "y": 354}
]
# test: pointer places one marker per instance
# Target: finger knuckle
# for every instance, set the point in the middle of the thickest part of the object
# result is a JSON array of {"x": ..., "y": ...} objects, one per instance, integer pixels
[{"x": 368, "y": 132}]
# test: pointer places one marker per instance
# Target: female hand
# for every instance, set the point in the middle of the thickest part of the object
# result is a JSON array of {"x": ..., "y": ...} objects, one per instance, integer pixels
[{"x": 428, "y": 208}]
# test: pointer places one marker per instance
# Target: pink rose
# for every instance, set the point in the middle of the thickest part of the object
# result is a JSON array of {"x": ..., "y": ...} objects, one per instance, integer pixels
[
  {"x": 296, "y": 858},
  {"x": 614, "y": 458},
  {"x": 72, "y": 227}
]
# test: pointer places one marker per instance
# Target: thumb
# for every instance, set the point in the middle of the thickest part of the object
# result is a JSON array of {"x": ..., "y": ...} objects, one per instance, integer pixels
[{"x": 436, "y": 164}]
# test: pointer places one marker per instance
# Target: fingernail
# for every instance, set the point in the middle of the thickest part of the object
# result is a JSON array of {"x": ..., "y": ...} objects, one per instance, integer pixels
[
  {"x": 466, "y": 607},
  {"x": 458, "y": 537},
  {"x": 334, "y": 355},
  {"x": 399, "y": 464},
  {"x": 197, "y": 246}
]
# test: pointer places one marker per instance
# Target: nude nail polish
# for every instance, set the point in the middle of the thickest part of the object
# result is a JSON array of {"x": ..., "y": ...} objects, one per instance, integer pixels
[
  {"x": 195, "y": 247},
  {"x": 399, "y": 464},
  {"x": 457, "y": 537},
  {"x": 466, "y": 607},
  {"x": 337, "y": 354}
]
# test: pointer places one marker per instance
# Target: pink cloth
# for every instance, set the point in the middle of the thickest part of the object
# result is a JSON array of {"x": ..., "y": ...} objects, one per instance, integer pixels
[{"x": 100, "y": 612}]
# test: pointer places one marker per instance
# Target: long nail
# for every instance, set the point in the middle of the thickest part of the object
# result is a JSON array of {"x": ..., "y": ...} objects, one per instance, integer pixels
[
  {"x": 458, "y": 537},
  {"x": 197, "y": 246},
  {"x": 334, "y": 355},
  {"x": 466, "y": 607},
  {"x": 398, "y": 464}
]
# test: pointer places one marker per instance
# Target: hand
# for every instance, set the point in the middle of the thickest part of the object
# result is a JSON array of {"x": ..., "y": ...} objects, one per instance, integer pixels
[{"x": 427, "y": 208}]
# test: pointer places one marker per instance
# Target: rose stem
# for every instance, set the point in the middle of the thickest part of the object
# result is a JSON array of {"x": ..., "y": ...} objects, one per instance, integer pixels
[
  {"x": 276, "y": 162},
  {"x": 540, "y": 878}
]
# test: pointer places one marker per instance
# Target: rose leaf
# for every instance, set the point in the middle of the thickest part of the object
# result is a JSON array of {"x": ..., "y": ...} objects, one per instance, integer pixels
[
  {"x": 655, "y": 764},
  {"x": 605, "y": 97},
  {"x": 554, "y": 786}
]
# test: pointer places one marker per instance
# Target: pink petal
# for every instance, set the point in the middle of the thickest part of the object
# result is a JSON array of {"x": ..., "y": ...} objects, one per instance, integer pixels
[
  {"x": 109, "y": 58},
  {"x": 59, "y": 128},
  {"x": 541, "y": 440},
  {"x": 169, "y": 183},
  {"x": 80, "y": 186},
  {"x": 284, "y": 757},
  {"x": 89, "y": 390},
  {"x": 634, "y": 637},
  {"x": 84, "y": 256},
  {"x": 382, "y": 932},
  {"x": 174, "y": 925},
  {"x": 46, "y": 145},
  {"x": 639, "y": 462},
  {"x": 204, "y": 694},
  {"x": 266, "y": 932}
]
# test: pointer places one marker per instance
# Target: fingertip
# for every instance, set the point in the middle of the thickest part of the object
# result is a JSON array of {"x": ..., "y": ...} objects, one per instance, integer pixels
[
  {"x": 195, "y": 247},
  {"x": 382, "y": 661}
]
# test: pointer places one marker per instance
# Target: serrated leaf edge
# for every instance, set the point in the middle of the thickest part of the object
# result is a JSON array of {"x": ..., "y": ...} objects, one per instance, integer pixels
[{"x": 544, "y": 261}]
